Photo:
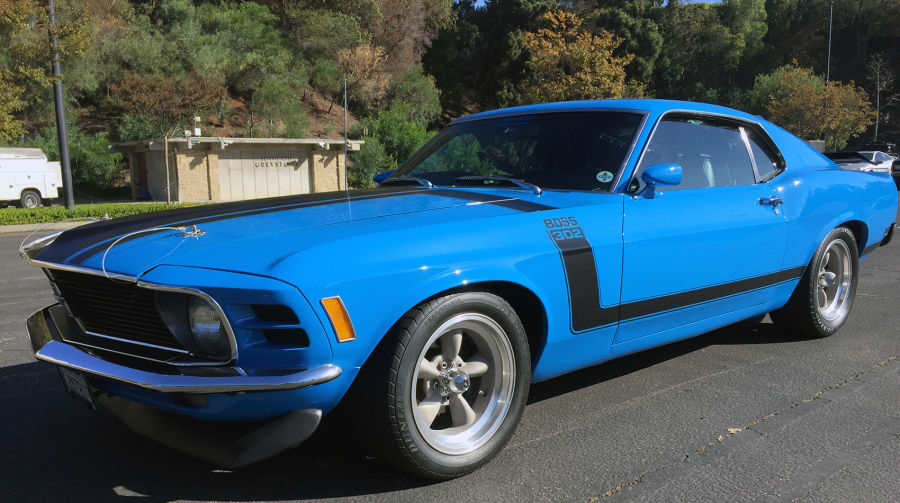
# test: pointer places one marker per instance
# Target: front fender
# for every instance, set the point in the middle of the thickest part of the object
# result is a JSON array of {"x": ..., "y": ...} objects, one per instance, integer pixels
[{"x": 381, "y": 277}]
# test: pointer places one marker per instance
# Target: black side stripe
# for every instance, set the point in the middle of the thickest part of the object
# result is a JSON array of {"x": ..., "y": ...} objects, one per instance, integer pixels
[
  {"x": 656, "y": 305},
  {"x": 586, "y": 313}
]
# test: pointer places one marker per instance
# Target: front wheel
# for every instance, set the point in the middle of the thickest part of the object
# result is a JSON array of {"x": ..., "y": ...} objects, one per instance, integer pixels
[
  {"x": 454, "y": 387},
  {"x": 822, "y": 300},
  {"x": 30, "y": 199}
]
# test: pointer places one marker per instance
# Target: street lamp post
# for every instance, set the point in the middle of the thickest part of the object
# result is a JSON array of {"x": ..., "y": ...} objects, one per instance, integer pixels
[{"x": 62, "y": 133}]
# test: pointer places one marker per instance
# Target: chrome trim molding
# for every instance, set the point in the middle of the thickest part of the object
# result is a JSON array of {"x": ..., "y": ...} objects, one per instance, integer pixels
[
  {"x": 232, "y": 340},
  {"x": 128, "y": 341},
  {"x": 60, "y": 353},
  {"x": 757, "y": 126},
  {"x": 84, "y": 270},
  {"x": 49, "y": 348}
]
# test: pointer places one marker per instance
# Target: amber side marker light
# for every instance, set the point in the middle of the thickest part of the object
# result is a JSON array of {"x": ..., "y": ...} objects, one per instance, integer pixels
[{"x": 340, "y": 319}]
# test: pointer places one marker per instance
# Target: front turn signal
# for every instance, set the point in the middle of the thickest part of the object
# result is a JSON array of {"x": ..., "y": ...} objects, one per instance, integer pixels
[{"x": 340, "y": 319}]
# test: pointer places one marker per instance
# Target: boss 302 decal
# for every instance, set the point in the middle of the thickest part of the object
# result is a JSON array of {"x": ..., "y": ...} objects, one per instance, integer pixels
[{"x": 581, "y": 275}]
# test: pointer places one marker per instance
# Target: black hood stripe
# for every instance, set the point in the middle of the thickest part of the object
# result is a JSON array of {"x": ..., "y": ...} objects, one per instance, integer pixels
[
  {"x": 91, "y": 239},
  {"x": 103, "y": 232}
]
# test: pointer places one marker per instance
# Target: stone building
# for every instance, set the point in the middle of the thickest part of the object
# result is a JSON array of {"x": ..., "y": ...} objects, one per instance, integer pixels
[{"x": 228, "y": 169}]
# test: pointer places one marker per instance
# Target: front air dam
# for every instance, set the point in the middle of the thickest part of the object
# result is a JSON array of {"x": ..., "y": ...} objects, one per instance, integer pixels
[{"x": 228, "y": 445}]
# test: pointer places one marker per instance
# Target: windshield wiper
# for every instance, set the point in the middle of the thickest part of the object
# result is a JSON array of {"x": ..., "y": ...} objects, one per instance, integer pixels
[
  {"x": 515, "y": 181},
  {"x": 406, "y": 178}
]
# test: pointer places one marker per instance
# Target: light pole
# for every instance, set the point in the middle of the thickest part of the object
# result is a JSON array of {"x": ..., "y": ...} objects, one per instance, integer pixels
[
  {"x": 62, "y": 134},
  {"x": 828, "y": 64}
]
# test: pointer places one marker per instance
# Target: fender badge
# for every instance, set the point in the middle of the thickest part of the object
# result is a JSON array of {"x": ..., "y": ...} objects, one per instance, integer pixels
[{"x": 604, "y": 177}]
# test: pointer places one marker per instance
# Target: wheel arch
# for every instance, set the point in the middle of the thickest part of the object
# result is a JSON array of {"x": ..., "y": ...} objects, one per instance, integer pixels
[
  {"x": 525, "y": 302},
  {"x": 34, "y": 189},
  {"x": 860, "y": 232},
  {"x": 527, "y": 305}
]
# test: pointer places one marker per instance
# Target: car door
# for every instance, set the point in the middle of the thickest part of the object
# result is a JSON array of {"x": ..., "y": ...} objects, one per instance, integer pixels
[{"x": 707, "y": 247}]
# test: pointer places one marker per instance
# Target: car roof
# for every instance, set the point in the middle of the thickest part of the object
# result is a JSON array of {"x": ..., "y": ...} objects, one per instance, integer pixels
[{"x": 652, "y": 106}]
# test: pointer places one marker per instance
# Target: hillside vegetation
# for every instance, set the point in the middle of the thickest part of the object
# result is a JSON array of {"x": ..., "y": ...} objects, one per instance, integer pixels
[{"x": 142, "y": 69}]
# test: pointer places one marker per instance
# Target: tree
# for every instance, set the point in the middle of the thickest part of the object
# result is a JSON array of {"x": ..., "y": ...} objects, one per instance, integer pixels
[
  {"x": 25, "y": 75},
  {"x": 806, "y": 105},
  {"x": 276, "y": 108},
  {"x": 321, "y": 33},
  {"x": 635, "y": 23},
  {"x": 479, "y": 60},
  {"x": 700, "y": 56},
  {"x": 390, "y": 138},
  {"x": 167, "y": 102},
  {"x": 567, "y": 62},
  {"x": 881, "y": 74},
  {"x": 417, "y": 91},
  {"x": 367, "y": 75}
]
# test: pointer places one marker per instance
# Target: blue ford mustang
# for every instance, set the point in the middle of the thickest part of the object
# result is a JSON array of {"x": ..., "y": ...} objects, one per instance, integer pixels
[{"x": 517, "y": 245}]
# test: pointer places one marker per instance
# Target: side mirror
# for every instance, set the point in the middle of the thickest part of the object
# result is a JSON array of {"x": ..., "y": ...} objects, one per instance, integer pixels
[
  {"x": 384, "y": 175},
  {"x": 659, "y": 174}
]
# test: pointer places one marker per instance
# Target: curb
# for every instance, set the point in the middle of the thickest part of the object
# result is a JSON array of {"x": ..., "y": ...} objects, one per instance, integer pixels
[{"x": 46, "y": 226}]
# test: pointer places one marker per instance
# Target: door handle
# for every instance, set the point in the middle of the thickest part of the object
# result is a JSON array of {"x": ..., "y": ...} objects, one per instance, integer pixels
[{"x": 773, "y": 201}]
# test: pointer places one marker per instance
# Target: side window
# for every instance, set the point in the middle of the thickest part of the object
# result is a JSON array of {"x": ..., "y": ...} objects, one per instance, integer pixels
[
  {"x": 711, "y": 153},
  {"x": 766, "y": 160}
]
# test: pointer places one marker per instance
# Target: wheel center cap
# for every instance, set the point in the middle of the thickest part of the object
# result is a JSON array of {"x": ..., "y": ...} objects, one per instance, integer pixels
[
  {"x": 827, "y": 278},
  {"x": 459, "y": 383}
]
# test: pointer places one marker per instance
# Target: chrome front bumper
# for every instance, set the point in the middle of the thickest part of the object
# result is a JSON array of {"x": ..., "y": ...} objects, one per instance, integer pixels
[{"x": 47, "y": 330}]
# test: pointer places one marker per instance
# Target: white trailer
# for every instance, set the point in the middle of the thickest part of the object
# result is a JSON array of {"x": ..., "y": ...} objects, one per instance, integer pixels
[{"x": 27, "y": 179}]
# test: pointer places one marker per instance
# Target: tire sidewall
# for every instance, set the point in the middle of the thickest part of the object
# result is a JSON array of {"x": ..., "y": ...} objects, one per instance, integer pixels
[
  {"x": 827, "y": 327},
  {"x": 440, "y": 464},
  {"x": 24, "y": 198}
]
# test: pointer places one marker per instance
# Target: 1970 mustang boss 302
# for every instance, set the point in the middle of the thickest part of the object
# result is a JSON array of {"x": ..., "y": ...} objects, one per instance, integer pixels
[{"x": 515, "y": 246}]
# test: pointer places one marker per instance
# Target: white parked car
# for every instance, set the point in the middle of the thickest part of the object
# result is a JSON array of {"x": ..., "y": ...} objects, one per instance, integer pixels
[
  {"x": 881, "y": 161},
  {"x": 27, "y": 178}
]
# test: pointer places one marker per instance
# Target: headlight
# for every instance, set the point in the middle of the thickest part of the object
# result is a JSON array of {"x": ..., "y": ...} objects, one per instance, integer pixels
[{"x": 206, "y": 327}]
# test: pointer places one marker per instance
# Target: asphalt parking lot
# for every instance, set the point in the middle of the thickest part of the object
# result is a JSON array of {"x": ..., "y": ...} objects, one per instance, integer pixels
[{"x": 741, "y": 414}]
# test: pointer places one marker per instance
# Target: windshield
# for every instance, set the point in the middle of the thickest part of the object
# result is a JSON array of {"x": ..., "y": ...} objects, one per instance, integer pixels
[{"x": 570, "y": 151}]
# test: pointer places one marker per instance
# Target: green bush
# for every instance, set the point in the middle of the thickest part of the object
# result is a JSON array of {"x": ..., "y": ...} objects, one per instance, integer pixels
[
  {"x": 18, "y": 216},
  {"x": 390, "y": 138},
  {"x": 95, "y": 169}
]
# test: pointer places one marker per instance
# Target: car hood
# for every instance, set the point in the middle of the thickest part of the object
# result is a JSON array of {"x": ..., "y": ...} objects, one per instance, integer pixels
[{"x": 252, "y": 236}]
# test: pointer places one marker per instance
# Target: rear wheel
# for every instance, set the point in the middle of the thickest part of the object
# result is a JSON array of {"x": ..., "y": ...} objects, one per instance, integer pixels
[
  {"x": 822, "y": 300},
  {"x": 30, "y": 199},
  {"x": 453, "y": 388}
]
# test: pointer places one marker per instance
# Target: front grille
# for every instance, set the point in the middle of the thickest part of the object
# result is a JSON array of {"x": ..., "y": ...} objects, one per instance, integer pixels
[{"x": 114, "y": 308}]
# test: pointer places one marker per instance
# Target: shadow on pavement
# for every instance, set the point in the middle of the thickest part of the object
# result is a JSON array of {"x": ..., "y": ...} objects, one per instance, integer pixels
[{"x": 57, "y": 449}]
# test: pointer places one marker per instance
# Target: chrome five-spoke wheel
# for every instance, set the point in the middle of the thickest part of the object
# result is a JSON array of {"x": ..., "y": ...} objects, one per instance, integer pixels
[
  {"x": 463, "y": 385},
  {"x": 444, "y": 392},
  {"x": 834, "y": 278},
  {"x": 822, "y": 300}
]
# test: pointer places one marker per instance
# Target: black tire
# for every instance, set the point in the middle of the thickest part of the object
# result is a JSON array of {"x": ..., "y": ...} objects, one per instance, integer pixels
[
  {"x": 801, "y": 316},
  {"x": 387, "y": 379},
  {"x": 30, "y": 199}
]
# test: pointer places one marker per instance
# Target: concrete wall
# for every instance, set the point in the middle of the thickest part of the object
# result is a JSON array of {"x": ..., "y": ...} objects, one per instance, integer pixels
[
  {"x": 208, "y": 172},
  {"x": 255, "y": 171}
]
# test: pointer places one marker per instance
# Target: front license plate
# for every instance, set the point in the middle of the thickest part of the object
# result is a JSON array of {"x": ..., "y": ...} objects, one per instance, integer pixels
[{"x": 77, "y": 386}]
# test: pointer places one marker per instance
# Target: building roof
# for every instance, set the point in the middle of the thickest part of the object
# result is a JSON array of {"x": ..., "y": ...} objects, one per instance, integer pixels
[
  {"x": 22, "y": 153},
  {"x": 223, "y": 142}
]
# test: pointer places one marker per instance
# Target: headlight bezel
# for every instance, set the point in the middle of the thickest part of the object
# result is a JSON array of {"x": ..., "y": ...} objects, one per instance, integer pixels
[{"x": 173, "y": 303}]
